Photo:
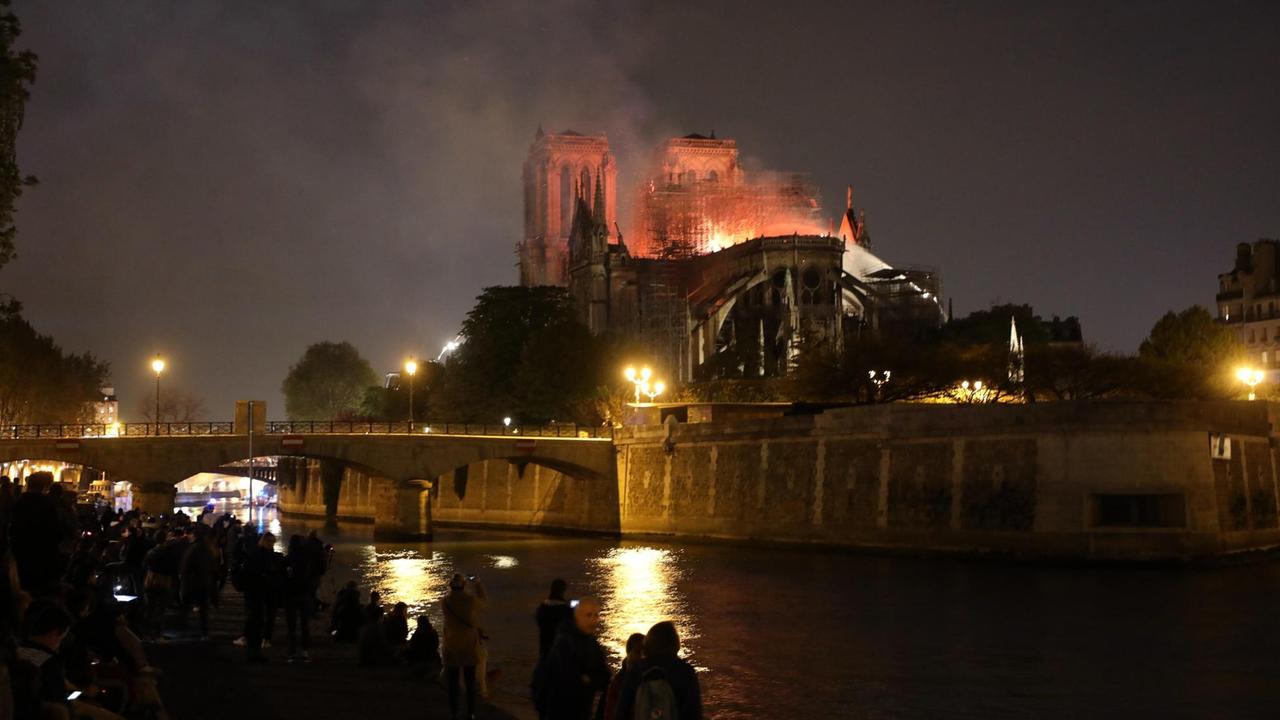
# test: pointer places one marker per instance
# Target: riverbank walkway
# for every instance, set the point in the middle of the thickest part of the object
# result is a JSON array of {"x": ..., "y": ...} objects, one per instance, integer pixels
[{"x": 213, "y": 679}]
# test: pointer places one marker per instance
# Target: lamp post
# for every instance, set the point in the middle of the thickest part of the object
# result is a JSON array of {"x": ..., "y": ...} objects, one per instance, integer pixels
[
  {"x": 506, "y": 424},
  {"x": 639, "y": 379},
  {"x": 971, "y": 390},
  {"x": 1250, "y": 378},
  {"x": 158, "y": 366},
  {"x": 411, "y": 367},
  {"x": 654, "y": 390},
  {"x": 878, "y": 379}
]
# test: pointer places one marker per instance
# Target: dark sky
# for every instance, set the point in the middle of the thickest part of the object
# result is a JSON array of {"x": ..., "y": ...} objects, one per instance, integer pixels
[{"x": 226, "y": 182}]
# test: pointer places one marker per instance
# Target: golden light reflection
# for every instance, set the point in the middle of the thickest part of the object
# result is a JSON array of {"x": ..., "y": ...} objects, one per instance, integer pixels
[
  {"x": 503, "y": 562},
  {"x": 641, "y": 589},
  {"x": 407, "y": 576}
]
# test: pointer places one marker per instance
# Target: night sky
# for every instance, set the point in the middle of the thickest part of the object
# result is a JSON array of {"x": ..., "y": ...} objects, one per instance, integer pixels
[{"x": 227, "y": 182}]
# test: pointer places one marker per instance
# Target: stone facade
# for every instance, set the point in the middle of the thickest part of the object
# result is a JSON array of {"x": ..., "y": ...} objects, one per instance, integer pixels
[{"x": 1248, "y": 302}]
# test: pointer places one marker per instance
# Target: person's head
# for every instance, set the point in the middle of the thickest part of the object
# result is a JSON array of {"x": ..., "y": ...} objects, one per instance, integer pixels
[
  {"x": 375, "y": 597},
  {"x": 351, "y": 584},
  {"x": 295, "y": 543},
  {"x": 55, "y": 491},
  {"x": 586, "y": 616},
  {"x": 635, "y": 648},
  {"x": 39, "y": 482},
  {"x": 662, "y": 642},
  {"x": 424, "y": 621},
  {"x": 457, "y": 582},
  {"x": 558, "y": 588},
  {"x": 267, "y": 540},
  {"x": 47, "y": 623},
  {"x": 400, "y": 609}
]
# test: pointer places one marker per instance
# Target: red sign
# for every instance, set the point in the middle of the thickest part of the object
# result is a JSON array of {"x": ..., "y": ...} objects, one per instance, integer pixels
[
  {"x": 67, "y": 444},
  {"x": 526, "y": 444},
  {"x": 291, "y": 441}
]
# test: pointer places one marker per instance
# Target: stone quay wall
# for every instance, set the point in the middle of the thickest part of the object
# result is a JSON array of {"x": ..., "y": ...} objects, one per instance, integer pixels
[
  {"x": 1071, "y": 480},
  {"x": 1063, "y": 480}
]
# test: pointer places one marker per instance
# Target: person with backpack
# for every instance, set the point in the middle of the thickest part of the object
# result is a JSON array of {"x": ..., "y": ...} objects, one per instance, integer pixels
[
  {"x": 569, "y": 677},
  {"x": 664, "y": 685}
]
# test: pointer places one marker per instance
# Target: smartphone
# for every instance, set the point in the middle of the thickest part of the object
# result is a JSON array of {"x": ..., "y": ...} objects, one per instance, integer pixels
[
  {"x": 472, "y": 578},
  {"x": 74, "y": 696},
  {"x": 573, "y": 603}
]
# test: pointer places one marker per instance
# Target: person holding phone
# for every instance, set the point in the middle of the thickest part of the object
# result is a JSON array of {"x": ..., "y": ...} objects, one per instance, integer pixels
[
  {"x": 48, "y": 624},
  {"x": 461, "y": 643}
]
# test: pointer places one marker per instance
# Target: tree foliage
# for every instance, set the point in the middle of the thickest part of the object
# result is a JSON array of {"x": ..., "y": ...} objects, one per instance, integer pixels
[
  {"x": 39, "y": 382},
  {"x": 524, "y": 354},
  {"x": 327, "y": 383},
  {"x": 17, "y": 73}
]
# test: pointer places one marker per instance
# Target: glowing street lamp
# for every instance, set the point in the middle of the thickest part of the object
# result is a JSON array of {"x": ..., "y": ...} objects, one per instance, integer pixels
[
  {"x": 971, "y": 390},
  {"x": 639, "y": 379},
  {"x": 411, "y": 367},
  {"x": 878, "y": 378},
  {"x": 506, "y": 423},
  {"x": 1250, "y": 378},
  {"x": 157, "y": 365},
  {"x": 654, "y": 390}
]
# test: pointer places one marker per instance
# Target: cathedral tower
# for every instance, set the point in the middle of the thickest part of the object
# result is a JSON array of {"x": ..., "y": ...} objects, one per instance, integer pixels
[{"x": 560, "y": 168}]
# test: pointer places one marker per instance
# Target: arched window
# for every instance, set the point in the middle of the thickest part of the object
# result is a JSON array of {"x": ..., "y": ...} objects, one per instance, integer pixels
[
  {"x": 566, "y": 199},
  {"x": 587, "y": 190},
  {"x": 713, "y": 176}
]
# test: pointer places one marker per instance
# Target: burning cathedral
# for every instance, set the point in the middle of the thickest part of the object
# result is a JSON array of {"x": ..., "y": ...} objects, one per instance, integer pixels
[{"x": 723, "y": 271}]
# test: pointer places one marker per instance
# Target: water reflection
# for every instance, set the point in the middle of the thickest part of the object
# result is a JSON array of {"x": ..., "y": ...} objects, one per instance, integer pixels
[
  {"x": 503, "y": 562},
  {"x": 406, "y": 576},
  {"x": 640, "y": 587}
]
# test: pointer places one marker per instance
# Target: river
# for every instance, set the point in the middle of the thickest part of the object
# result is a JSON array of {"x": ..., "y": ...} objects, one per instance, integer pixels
[{"x": 808, "y": 634}]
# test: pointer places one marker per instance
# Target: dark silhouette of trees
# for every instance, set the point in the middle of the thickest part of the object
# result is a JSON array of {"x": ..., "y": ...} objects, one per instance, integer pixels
[{"x": 327, "y": 383}]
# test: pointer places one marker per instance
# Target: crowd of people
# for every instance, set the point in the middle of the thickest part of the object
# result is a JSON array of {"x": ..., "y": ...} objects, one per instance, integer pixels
[
  {"x": 83, "y": 591},
  {"x": 72, "y": 615}
]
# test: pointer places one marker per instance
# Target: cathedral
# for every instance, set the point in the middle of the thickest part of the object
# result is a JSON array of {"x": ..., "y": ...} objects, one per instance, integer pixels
[{"x": 725, "y": 271}]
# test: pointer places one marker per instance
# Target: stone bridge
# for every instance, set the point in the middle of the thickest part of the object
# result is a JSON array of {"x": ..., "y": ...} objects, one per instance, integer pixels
[{"x": 405, "y": 464}]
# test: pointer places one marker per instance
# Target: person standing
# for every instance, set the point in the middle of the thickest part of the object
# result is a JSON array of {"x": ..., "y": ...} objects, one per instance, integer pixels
[
  {"x": 300, "y": 597},
  {"x": 461, "y": 645},
  {"x": 551, "y": 614},
  {"x": 257, "y": 584},
  {"x": 662, "y": 675},
  {"x": 198, "y": 577},
  {"x": 575, "y": 669}
]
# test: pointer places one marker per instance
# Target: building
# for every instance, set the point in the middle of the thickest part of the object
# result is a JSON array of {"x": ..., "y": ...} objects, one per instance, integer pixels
[
  {"x": 1248, "y": 301},
  {"x": 728, "y": 272},
  {"x": 560, "y": 167}
]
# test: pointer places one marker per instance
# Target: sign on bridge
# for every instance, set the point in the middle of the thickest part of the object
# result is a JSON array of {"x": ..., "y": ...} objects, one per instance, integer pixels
[{"x": 291, "y": 441}]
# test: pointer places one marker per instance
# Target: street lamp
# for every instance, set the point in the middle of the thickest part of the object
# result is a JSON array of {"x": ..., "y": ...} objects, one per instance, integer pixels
[
  {"x": 1250, "y": 378},
  {"x": 158, "y": 366},
  {"x": 638, "y": 379},
  {"x": 878, "y": 378},
  {"x": 411, "y": 367},
  {"x": 971, "y": 390},
  {"x": 506, "y": 423},
  {"x": 654, "y": 390}
]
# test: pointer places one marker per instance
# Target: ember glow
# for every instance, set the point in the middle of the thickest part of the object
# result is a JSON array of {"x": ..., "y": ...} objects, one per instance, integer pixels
[{"x": 698, "y": 199}]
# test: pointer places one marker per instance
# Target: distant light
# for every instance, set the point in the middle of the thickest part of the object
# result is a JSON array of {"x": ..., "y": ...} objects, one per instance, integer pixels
[
  {"x": 157, "y": 365},
  {"x": 506, "y": 421},
  {"x": 410, "y": 367}
]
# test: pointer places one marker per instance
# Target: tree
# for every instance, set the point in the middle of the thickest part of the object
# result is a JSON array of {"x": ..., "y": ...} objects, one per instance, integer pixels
[
  {"x": 17, "y": 73},
  {"x": 1189, "y": 355},
  {"x": 39, "y": 382},
  {"x": 327, "y": 383},
  {"x": 176, "y": 406}
]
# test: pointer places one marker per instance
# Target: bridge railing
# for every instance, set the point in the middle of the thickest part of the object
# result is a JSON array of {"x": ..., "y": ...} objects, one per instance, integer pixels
[
  {"x": 100, "y": 430},
  {"x": 357, "y": 427},
  {"x": 296, "y": 427}
]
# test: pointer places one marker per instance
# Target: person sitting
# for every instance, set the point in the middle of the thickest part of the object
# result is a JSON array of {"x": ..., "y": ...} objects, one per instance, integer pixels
[
  {"x": 423, "y": 651},
  {"x": 347, "y": 614},
  {"x": 396, "y": 627}
]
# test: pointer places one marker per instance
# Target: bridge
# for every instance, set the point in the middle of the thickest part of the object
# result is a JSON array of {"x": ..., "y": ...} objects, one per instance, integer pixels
[{"x": 405, "y": 460}]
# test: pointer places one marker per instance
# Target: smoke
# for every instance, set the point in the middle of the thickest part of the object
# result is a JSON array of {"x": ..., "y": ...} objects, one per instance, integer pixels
[{"x": 225, "y": 183}]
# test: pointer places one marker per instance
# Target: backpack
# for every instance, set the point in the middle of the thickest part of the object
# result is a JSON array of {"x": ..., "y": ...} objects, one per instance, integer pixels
[{"x": 655, "y": 700}]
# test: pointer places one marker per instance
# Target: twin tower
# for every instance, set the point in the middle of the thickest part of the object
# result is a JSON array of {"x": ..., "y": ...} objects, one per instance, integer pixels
[{"x": 560, "y": 168}]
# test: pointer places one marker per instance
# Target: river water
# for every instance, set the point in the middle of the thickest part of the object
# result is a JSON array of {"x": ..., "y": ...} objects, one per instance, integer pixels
[{"x": 807, "y": 634}]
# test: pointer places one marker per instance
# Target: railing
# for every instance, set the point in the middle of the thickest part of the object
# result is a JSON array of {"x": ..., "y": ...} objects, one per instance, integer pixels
[
  {"x": 297, "y": 427},
  {"x": 100, "y": 430},
  {"x": 355, "y": 427}
]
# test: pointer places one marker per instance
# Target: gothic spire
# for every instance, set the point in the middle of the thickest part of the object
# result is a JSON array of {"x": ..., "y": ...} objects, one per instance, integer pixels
[
  {"x": 538, "y": 135},
  {"x": 597, "y": 204}
]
